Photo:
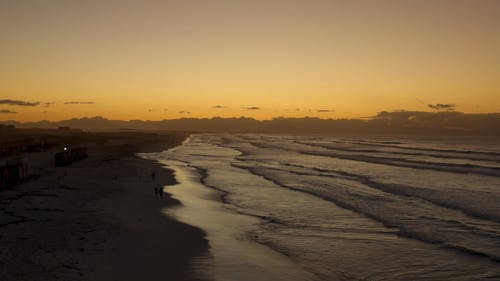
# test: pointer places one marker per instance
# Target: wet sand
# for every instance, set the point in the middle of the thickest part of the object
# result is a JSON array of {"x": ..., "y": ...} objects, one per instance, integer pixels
[
  {"x": 233, "y": 255},
  {"x": 97, "y": 219}
]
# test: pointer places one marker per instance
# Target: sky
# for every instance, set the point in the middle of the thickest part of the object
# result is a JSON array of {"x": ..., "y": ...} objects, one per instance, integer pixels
[{"x": 152, "y": 60}]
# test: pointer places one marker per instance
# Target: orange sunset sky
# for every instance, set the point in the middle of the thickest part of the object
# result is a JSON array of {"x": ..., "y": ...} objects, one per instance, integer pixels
[{"x": 153, "y": 60}]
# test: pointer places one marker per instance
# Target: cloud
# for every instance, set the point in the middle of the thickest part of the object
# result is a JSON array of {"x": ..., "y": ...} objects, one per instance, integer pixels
[
  {"x": 18, "y": 102},
  {"x": 252, "y": 108},
  {"x": 79, "y": 102},
  {"x": 48, "y": 104},
  {"x": 6, "y": 111},
  {"x": 184, "y": 112},
  {"x": 324, "y": 110},
  {"x": 442, "y": 106},
  {"x": 420, "y": 101},
  {"x": 219, "y": 106}
]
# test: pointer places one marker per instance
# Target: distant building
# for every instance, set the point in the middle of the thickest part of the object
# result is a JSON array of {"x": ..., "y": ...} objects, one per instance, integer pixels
[
  {"x": 14, "y": 172},
  {"x": 68, "y": 156}
]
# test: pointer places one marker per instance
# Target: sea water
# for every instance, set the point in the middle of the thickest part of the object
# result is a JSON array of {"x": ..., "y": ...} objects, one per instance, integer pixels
[{"x": 343, "y": 208}]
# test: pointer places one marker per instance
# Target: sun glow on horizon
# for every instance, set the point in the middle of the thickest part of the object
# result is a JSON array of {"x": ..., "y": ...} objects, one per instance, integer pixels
[{"x": 156, "y": 60}]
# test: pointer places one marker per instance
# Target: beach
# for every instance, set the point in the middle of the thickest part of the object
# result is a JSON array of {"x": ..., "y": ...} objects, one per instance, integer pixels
[
  {"x": 256, "y": 207},
  {"x": 97, "y": 219}
]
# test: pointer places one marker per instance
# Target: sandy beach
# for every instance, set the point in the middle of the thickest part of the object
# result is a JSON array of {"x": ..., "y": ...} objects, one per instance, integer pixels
[{"x": 97, "y": 219}]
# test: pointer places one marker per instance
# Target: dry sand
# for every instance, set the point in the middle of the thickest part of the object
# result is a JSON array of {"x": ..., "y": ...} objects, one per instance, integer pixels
[{"x": 97, "y": 219}]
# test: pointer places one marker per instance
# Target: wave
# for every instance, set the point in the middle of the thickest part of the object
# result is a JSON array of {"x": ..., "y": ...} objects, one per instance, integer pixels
[
  {"x": 462, "y": 151},
  {"x": 364, "y": 204},
  {"x": 323, "y": 210},
  {"x": 462, "y": 200},
  {"x": 454, "y": 197},
  {"x": 399, "y": 162},
  {"x": 403, "y": 153}
]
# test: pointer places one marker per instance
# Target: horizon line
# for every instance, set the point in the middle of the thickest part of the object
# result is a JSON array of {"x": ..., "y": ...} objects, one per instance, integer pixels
[{"x": 253, "y": 118}]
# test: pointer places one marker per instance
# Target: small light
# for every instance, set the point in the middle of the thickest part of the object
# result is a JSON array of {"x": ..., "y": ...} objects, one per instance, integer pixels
[{"x": 65, "y": 148}]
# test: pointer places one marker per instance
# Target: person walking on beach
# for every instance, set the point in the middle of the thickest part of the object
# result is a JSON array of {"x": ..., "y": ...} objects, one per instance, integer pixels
[{"x": 153, "y": 175}]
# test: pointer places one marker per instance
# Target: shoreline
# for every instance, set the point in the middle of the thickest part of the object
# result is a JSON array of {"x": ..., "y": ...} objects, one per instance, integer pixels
[
  {"x": 97, "y": 219},
  {"x": 146, "y": 245},
  {"x": 233, "y": 254}
]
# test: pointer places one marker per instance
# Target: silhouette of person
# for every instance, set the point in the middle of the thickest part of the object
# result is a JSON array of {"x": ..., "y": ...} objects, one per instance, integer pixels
[
  {"x": 160, "y": 191},
  {"x": 153, "y": 175}
]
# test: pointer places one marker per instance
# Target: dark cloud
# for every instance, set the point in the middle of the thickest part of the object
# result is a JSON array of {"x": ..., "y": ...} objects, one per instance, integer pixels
[
  {"x": 252, "y": 108},
  {"x": 6, "y": 111},
  {"x": 184, "y": 112},
  {"x": 420, "y": 101},
  {"x": 219, "y": 106},
  {"x": 442, "y": 106},
  {"x": 18, "y": 102},
  {"x": 79, "y": 102},
  {"x": 324, "y": 110},
  {"x": 48, "y": 104}
]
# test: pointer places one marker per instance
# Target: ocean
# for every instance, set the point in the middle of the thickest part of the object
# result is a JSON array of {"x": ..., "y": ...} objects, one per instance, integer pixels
[{"x": 341, "y": 208}]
